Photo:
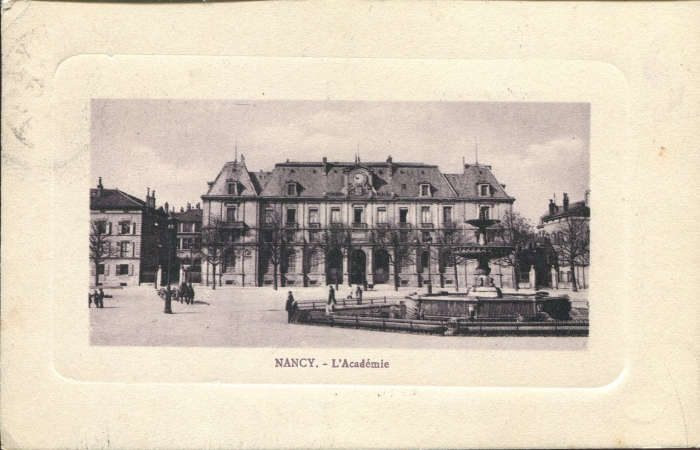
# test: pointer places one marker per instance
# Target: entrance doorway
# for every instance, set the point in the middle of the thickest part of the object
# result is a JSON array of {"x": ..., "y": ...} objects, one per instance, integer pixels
[
  {"x": 334, "y": 273},
  {"x": 381, "y": 266},
  {"x": 358, "y": 267}
]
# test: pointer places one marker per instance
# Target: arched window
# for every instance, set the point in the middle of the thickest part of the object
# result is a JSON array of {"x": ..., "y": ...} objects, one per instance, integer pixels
[{"x": 313, "y": 262}]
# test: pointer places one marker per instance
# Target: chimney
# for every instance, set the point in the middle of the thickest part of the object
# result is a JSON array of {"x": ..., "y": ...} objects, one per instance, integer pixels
[
  {"x": 242, "y": 159},
  {"x": 100, "y": 188},
  {"x": 552, "y": 206},
  {"x": 182, "y": 209},
  {"x": 189, "y": 206},
  {"x": 166, "y": 207},
  {"x": 198, "y": 208},
  {"x": 153, "y": 199},
  {"x": 325, "y": 166},
  {"x": 566, "y": 202},
  {"x": 390, "y": 166},
  {"x": 587, "y": 196}
]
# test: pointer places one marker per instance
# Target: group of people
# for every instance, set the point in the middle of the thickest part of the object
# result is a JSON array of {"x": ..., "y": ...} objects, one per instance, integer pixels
[
  {"x": 186, "y": 293},
  {"x": 97, "y": 298},
  {"x": 291, "y": 307}
]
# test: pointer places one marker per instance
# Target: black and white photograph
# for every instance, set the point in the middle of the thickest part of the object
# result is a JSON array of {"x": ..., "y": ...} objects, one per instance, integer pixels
[{"x": 322, "y": 223}]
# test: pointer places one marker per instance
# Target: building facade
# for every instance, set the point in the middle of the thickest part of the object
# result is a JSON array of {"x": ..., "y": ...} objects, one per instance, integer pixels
[
  {"x": 330, "y": 214},
  {"x": 565, "y": 228},
  {"x": 133, "y": 234},
  {"x": 188, "y": 241}
]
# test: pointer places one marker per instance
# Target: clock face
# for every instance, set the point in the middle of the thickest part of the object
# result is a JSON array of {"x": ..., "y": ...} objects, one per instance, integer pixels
[{"x": 359, "y": 178}]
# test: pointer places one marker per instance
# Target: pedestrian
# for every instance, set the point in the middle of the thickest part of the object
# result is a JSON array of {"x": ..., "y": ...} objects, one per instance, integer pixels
[
  {"x": 191, "y": 294},
  {"x": 291, "y": 306},
  {"x": 358, "y": 293},
  {"x": 331, "y": 299},
  {"x": 89, "y": 300},
  {"x": 96, "y": 298},
  {"x": 102, "y": 298},
  {"x": 183, "y": 292}
]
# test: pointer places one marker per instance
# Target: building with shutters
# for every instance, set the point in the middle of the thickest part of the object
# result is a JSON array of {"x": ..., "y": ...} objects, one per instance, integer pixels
[
  {"x": 310, "y": 199},
  {"x": 136, "y": 234},
  {"x": 555, "y": 229},
  {"x": 188, "y": 240}
]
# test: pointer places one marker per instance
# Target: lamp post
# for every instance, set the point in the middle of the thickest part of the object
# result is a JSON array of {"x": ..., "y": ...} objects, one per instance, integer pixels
[
  {"x": 430, "y": 275},
  {"x": 157, "y": 233},
  {"x": 168, "y": 293}
]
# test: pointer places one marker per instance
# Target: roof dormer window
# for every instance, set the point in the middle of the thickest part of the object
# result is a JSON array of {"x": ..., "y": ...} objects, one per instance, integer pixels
[
  {"x": 233, "y": 188},
  {"x": 291, "y": 188},
  {"x": 484, "y": 190},
  {"x": 425, "y": 190}
]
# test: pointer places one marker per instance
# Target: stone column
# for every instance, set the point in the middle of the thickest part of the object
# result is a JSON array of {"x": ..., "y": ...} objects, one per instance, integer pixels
[
  {"x": 533, "y": 278},
  {"x": 370, "y": 266},
  {"x": 346, "y": 274},
  {"x": 555, "y": 278}
]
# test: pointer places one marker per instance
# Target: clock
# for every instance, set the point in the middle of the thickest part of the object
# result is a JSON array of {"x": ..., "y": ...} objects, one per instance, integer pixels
[{"x": 358, "y": 178}]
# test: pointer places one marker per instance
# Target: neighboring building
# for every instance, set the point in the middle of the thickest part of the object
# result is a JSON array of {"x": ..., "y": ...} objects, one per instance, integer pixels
[
  {"x": 188, "y": 241},
  {"x": 309, "y": 198},
  {"x": 552, "y": 231},
  {"x": 135, "y": 236}
]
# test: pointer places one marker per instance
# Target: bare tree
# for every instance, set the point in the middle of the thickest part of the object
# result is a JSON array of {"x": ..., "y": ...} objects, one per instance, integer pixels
[
  {"x": 574, "y": 247},
  {"x": 399, "y": 244},
  {"x": 446, "y": 239},
  {"x": 517, "y": 232},
  {"x": 100, "y": 247},
  {"x": 275, "y": 243},
  {"x": 335, "y": 239},
  {"x": 216, "y": 243}
]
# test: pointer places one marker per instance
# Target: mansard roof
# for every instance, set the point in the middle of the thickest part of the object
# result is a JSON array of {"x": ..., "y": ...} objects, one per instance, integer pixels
[
  {"x": 576, "y": 209},
  {"x": 389, "y": 180},
  {"x": 191, "y": 215},
  {"x": 234, "y": 171},
  {"x": 114, "y": 199},
  {"x": 467, "y": 183}
]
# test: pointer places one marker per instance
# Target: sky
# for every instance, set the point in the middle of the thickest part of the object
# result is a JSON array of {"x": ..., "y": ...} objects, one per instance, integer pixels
[{"x": 176, "y": 146}]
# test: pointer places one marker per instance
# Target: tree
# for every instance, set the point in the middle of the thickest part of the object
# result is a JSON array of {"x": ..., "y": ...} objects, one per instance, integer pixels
[
  {"x": 275, "y": 243},
  {"x": 517, "y": 232},
  {"x": 335, "y": 239},
  {"x": 399, "y": 244},
  {"x": 216, "y": 243},
  {"x": 446, "y": 239},
  {"x": 100, "y": 246},
  {"x": 574, "y": 247}
]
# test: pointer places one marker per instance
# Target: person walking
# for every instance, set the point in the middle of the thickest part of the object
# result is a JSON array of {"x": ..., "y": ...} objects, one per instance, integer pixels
[
  {"x": 89, "y": 300},
  {"x": 191, "y": 294},
  {"x": 96, "y": 298},
  {"x": 184, "y": 292},
  {"x": 102, "y": 298},
  {"x": 331, "y": 299},
  {"x": 358, "y": 293},
  {"x": 291, "y": 307}
]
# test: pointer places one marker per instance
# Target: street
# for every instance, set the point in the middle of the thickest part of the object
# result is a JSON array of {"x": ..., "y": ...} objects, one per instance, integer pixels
[{"x": 255, "y": 317}]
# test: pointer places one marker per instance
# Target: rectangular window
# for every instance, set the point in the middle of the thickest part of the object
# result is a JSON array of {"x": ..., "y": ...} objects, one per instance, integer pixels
[
  {"x": 291, "y": 189},
  {"x": 186, "y": 243},
  {"x": 102, "y": 227},
  {"x": 178, "y": 243},
  {"x": 484, "y": 190},
  {"x": 358, "y": 215},
  {"x": 233, "y": 188},
  {"x": 231, "y": 214},
  {"x": 484, "y": 212},
  {"x": 197, "y": 227},
  {"x": 335, "y": 215},
  {"x": 124, "y": 249},
  {"x": 425, "y": 190},
  {"x": 291, "y": 215},
  {"x": 125, "y": 227},
  {"x": 313, "y": 215},
  {"x": 269, "y": 215},
  {"x": 381, "y": 215},
  {"x": 403, "y": 187},
  {"x": 426, "y": 236},
  {"x": 122, "y": 269},
  {"x": 403, "y": 215},
  {"x": 425, "y": 214},
  {"x": 447, "y": 214},
  {"x": 101, "y": 269}
]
